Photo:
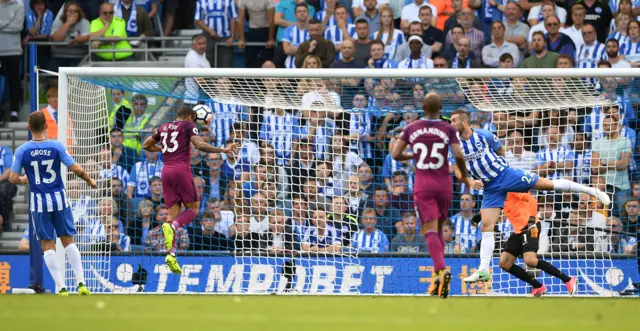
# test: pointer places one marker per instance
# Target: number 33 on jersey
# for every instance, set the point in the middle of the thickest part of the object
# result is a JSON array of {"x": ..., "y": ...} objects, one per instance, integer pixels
[{"x": 175, "y": 142}]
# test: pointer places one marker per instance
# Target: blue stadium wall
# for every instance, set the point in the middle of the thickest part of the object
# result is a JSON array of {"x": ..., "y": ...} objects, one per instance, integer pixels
[{"x": 372, "y": 275}]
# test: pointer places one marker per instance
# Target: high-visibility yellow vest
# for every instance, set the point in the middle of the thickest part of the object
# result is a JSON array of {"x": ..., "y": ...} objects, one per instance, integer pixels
[
  {"x": 132, "y": 139},
  {"x": 114, "y": 111},
  {"x": 117, "y": 28}
]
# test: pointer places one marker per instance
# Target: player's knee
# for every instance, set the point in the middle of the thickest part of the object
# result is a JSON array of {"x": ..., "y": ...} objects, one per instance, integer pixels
[
  {"x": 505, "y": 263},
  {"x": 531, "y": 260},
  {"x": 66, "y": 240},
  {"x": 487, "y": 226},
  {"x": 48, "y": 245}
]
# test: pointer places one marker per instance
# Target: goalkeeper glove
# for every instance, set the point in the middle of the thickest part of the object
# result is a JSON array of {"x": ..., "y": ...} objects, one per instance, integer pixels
[
  {"x": 532, "y": 229},
  {"x": 475, "y": 220}
]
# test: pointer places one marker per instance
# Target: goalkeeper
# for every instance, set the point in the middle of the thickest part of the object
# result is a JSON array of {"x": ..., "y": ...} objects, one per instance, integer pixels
[{"x": 521, "y": 209}]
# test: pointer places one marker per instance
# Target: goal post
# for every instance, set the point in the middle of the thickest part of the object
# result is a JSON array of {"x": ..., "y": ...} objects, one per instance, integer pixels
[{"x": 314, "y": 204}]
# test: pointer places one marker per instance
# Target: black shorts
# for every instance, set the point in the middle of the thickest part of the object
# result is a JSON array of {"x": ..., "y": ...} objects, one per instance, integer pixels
[
  {"x": 521, "y": 243},
  {"x": 170, "y": 6}
]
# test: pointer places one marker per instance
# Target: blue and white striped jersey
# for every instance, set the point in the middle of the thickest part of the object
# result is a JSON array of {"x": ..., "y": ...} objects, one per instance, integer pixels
[
  {"x": 397, "y": 39},
  {"x": 280, "y": 131},
  {"x": 588, "y": 56},
  {"x": 335, "y": 35},
  {"x": 224, "y": 115},
  {"x": 376, "y": 242},
  {"x": 360, "y": 125},
  {"x": 390, "y": 166},
  {"x": 321, "y": 138},
  {"x": 331, "y": 22},
  {"x": 505, "y": 228},
  {"x": 582, "y": 166},
  {"x": 615, "y": 5},
  {"x": 141, "y": 174},
  {"x": 41, "y": 162},
  {"x": 480, "y": 155},
  {"x": 465, "y": 233},
  {"x": 630, "y": 50},
  {"x": 6, "y": 159},
  {"x": 619, "y": 37},
  {"x": 117, "y": 172},
  {"x": 557, "y": 155},
  {"x": 329, "y": 238},
  {"x": 217, "y": 14},
  {"x": 294, "y": 36}
]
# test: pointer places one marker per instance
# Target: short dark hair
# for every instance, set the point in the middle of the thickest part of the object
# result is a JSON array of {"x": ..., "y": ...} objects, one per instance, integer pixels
[
  {"x": 155, "y": 178},
  {"x": 506, "y": 56},
  {"x": 37, "y": 121},
  {"x": 340, "y": 6},
  {"x": 565, "y": 56},
  {"x": 457, "y": 26},
  {"x": 362, "y": 21},
  {"x": 115, "y": 129},
  {"x": 604, "y": 63},
  {"x": 376, "y": 42},
  {"x": 613, "y": 40},
  {"x": 303, "y": 4},
  {"x": 185, "y": 112},
  {"x": 400, "y": 173},
  {"x": 314, "y": 21},
  {"x": 539, "y": 33},
  {"x": 498, "y": 22},
  {"x": 140, "y": 97},
  {"x": 425, "y": 8},
  {"x": 462, "y": 111}
]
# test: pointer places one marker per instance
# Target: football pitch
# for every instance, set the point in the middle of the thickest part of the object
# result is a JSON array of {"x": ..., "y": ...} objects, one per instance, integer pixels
[{"x": 306, "y": 313}]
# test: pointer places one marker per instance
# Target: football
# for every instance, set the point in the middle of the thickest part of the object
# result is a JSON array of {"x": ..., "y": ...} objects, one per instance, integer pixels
[{"x": 203, "y": 114}]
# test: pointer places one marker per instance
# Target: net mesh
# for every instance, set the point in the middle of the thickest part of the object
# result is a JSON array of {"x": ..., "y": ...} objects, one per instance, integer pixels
[{"x": 314, "y": 203}]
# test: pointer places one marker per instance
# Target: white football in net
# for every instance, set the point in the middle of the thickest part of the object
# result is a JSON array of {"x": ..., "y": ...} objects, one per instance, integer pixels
[{"x": 203, "y": 114}]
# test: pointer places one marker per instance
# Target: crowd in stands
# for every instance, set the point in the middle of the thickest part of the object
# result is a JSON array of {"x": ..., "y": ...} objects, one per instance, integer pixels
[{"x": 318, "y": 181}]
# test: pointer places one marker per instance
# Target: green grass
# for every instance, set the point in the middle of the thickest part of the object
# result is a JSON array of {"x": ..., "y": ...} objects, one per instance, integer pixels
[{"x": 305, "y": 313}]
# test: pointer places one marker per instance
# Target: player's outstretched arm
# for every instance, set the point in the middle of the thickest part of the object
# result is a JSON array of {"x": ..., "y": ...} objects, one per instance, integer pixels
[
  {"x": 151, "y": 145},
  {"x": 80, "y": 172},
  {"x": 398, "y": 152},
  {"x": 461, "y": 171},
  {"x": 202, "y": 146}
]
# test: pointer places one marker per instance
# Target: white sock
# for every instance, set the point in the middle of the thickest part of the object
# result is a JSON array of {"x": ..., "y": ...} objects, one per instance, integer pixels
[
  {"x": 564, "y": 185},
  {"x": 76, "y": 263},
  {"x": 486, "y": 250},
  {"x": 14, "y": 113},
  {"x": 52, "y": 265}
]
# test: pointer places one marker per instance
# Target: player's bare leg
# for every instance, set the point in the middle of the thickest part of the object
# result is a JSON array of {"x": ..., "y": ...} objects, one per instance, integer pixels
[
  {"x": 441, "y": 277},
  {"x": 76, "y": 263},
  {"x": 507, "y": 263},
  {"x": 532, "y": 261},
  {"x": 490, "y": 217},
  {"x": 565, "y": 185},
  {"x": 49, "y": 253},
  {"x": 169, "y": 233}
]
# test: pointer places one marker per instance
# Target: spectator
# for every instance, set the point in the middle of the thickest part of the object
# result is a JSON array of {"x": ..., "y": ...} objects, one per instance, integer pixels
[
  {"x": 557, "y": 41},
  {"x": 404, "y": 51},
  {"x": 259, "y": 214},
  {"x": 574, "y": 31},
  {"x": 457, "y": 33},
  {"x": 536, "y": 15},
  {"x": 39, "y": 20},
  {"x": 136, "y": 123},
  {"x": 516, "y": 32},
  {"x": 157, "y": 196},
  {"x": 127, "y": 155},
  {"x": 196, "y": 58},
  {"x": 416, "y": 59},
  {"x": 614, "y": 57},
  {"x": 294, "y": 35},
  {"x": 449, "y": 238},
  {"x": 319, "y": 131},
  {"x": 343, "y": 219},
  {"x": 138, "y": 227},
  {"x": 169, "y": 12},
  {"x": 362, "y": 42},
  {"x": 321, "y": 237},
  {"x": 345, "y": 163},
  {"x": 227, "y": 117},
  {"x": 631, "y": 49},
  {"x": 118, "y": 241},
  {"x": 592, "y": 51},
  {"x": 105, "y": 172},
  {"x": 465, "y": 233},
  {"x": 342, "y": 30},
  {"x": 454, "y": 18},
  {"x": 411, "y": 13},
  {"x": 574, "y": 238},
  {"x": 492, "y": 52},
  {"x": 220, "y": 175},
  {"x": 268, "y": 158},
  {"x": 324, "y": 180},
  {"x": 287, "y": 15},
  {"x": 299, "y": 215},
  {"x": 517, "y": 154},
  {"x": 370, "y": 13},
  {"x": 631, "y": 220},
  {"x": 475, "y": 36},
  {"x": 463, "y": 57},
  {"x": 548, "y": 9},
  {"x": 635, "y": 190},
  {"x": 51, "y": 113},
  {"x": 205, "y": 237},
  {"x": 611, "y": 157},
  {"x": 137, "y": 18},
  {"x": 370, "y": 239},
  {"x": 582, "y": 159},
  {"x": 346, "y": 60},
  {"x": 401, "y": 198},
  {"x": 125, "y": 210},
  {"x": 218, "y": 20},
  {"x": 391, "y": 166},
  {"x": 281, "y": 238},
  {"x": 389, "y": 218},
  {"x": 303, "y": 165},
  {"x": 431, "y": 35},
  {"x": 595, "y": 221},
  {"x": 121, "y": 110},
  {"x": 365, "y": 181},
  {"x": 622, "y": 26},
  {"x": 391, "y": 37},
  {"x": 564, "y": 61},
  {"x": 327, "y": 16},
  {"x": 7, "y": 190},
  {"x": 241, "y": 235},
  {"x": 71, "y": 27},
  {"x": 12, "y": 18},
  {"x": 542, "y": 58},
  {"x": 554, "y": 161},
  {"x": 599, "y": 15},
  {"x": 360, "y": 129},
  {"x": 154, "y": 242},
  {"x": 142, "y": 173},
  {"x": 409, "y": 241},
  {"x": 280, "y": 129},
  {"x": 620, "y": 243},
  {"x": 261, "y": 29},
  {"x": 316, "y": 45},
  {"x": 355, "y": 198},
  {"x": 83, "y": 205},
  {"x": 115, "y": 28}
]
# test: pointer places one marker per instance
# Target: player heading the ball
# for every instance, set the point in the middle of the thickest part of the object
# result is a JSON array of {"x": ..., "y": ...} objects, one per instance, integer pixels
[
  {"x": 486, "y": 164},
  {"x": 179, "y": 189},
  {"x": 49, "y": 204},
  {"x": 430, "y": 140}
]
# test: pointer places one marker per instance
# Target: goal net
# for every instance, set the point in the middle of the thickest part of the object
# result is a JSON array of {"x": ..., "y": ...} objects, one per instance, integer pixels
[{"x": 313, "y": 203}]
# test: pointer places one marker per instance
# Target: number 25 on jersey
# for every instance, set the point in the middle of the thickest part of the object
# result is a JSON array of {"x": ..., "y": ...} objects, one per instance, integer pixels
[{"x": 436, "y": 153}]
